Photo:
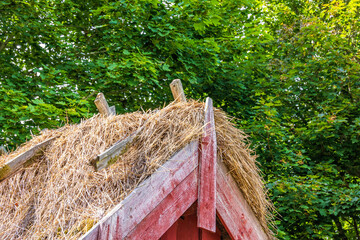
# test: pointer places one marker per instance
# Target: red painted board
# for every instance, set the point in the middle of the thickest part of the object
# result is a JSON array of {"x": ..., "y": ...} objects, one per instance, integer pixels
[
  {"x": 207, "y": 173},
  {"x": 160, "y": 219},
  {"x": 233, "y": 210},
  {"x": 187, "y": 228},
  {"x": 135, "y": 207}
]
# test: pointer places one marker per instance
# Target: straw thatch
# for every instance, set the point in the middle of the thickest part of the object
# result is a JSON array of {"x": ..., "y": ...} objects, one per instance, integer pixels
[{"x": 61, "y": 196}]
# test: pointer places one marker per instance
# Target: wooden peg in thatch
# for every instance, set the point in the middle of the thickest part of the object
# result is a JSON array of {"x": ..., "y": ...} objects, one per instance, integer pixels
[
  {"x": 177, "y": 90},
  {"x": 102, "y": 105},
  {"x": 16, "y": 163},
  {"x": 2, "y": 150}
]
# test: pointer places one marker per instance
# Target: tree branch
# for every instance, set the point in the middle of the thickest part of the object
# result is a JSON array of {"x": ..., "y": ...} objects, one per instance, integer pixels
[
  {"x": 3, "y": 45},
  {"x": 340, "y": 228},
  {"x": 356, "y": 228}
]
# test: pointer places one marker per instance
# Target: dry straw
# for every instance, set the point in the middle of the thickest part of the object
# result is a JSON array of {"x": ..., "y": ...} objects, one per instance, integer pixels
[{"x": 60, "y": 196}]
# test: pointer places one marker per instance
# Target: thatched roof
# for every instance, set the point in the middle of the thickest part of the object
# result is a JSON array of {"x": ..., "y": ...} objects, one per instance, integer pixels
[{"x": 61, "y": 196}]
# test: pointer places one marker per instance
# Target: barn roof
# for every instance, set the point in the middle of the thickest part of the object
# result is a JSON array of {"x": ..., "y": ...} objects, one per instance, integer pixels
[{"x": 60, "y": 195}]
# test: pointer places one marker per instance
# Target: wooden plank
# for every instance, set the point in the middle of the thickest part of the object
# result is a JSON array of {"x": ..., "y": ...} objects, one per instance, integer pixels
[
  {"x": 102, "y": 105},
  {"x": 135, "y": 207},
  {"x": 207, "y": 175},
  {"x": 233, "y": 210},
  {"x": 187, "y": 228},
  {"x": 168, "y": 211},
  {"x": 109, "y": 156},
  {"x": 16, "y": 163},
  {"x": 177, "y": 90}
]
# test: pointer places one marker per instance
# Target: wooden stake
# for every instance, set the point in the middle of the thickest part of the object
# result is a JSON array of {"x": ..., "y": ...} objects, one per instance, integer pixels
[
  {"x": 16, "y": 163},
  {"x": 177, "y": 90},
  {"x": 102, "y": 105},
  {"x": 2, "y": 150}
]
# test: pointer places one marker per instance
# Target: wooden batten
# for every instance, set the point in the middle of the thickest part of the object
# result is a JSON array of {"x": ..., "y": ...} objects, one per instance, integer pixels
[
  {"x": 207, "y": 172},
  {"x": 177, "y": 90},
  {"x": 16, "y": 163},
  {"x": 108, "y": 157}
]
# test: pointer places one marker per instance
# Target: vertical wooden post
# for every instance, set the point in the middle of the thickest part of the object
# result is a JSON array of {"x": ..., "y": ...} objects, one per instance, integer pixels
[
  {"x": 177, "y": 90},
  {"x": 2, "y": 150},
  {"x": 207, "y": 172},
  {"x": 102, "y": 105}
]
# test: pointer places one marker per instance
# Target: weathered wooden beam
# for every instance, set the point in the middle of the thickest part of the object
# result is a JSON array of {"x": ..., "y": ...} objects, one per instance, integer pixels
[
  {"x": 16, "y": 163},
  {"x": 234, "y": 212},
  {"x": 107, "y": 158},
  {"x": 102, "y": 105},
  {"x": 2, "y": 150},
  {"x": 110, "y": 155},
  {"x": 207, "y": 172},
  {"x": 134, "y": 208},
  {"x": 177, "y": 90}
]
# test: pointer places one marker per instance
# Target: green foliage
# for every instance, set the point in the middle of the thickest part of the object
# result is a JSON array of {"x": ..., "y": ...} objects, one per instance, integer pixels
[
  {"x": 288, "y": 70},
  {"x": 306, "y": 122}
]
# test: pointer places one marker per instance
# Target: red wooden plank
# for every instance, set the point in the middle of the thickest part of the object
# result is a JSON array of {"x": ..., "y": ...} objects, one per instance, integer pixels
[
  {"x": 207, "y": 169},
  {"x": 187, "y": 228},
  {"x": 233, "y": 210},
  {"x": 168, "y": 211},
  {"x": 134, "y": 208}
]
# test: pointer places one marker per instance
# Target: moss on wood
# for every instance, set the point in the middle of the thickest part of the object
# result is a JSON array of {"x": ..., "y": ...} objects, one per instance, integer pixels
[{"x": 4, "y": 171}]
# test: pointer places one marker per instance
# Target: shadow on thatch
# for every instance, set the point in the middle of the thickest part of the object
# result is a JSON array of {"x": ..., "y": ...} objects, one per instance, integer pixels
[{"x": 61, "y": 196}]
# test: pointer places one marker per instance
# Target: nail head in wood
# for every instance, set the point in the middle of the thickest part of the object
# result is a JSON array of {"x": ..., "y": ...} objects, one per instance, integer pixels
[{"x": 177, "y": 90}]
